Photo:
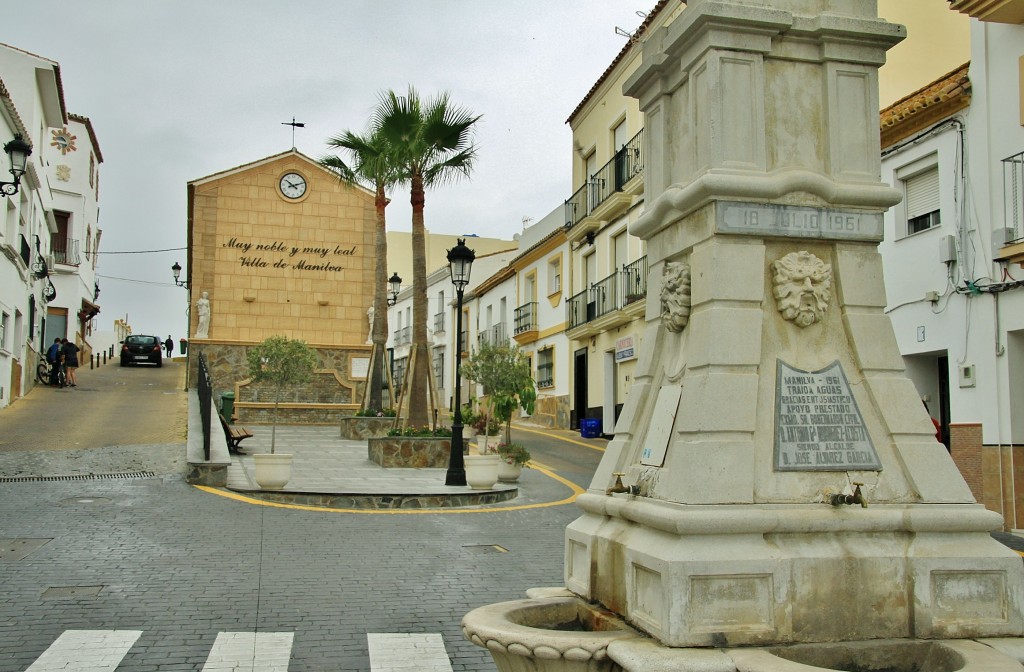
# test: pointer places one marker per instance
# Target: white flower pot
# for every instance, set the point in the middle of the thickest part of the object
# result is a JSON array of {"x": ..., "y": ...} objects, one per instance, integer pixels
[
  {"x": 481, "y": 471},
  {"x": 509, "y": 472},
  {"x": 273, "y": 471}
]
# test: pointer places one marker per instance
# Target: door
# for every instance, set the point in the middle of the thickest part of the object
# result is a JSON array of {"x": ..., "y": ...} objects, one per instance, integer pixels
[{"x": 579, "y": 388}]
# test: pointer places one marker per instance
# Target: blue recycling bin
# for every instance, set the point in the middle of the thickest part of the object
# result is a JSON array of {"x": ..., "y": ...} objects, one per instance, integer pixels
[{"x": 590, "y": 428}]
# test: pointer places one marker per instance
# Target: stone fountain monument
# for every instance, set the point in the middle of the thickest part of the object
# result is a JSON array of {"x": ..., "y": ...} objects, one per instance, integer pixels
[{"x": 774, "y": 497}]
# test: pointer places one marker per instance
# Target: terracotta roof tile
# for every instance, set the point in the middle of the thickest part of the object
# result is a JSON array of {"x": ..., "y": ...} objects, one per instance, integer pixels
[{"x": 945, "y": 96}]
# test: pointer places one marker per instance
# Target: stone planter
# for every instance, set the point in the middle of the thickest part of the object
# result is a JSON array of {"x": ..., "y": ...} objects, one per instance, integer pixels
[
  {"x": 481, "y": 471},
  {"x": 273, "y": 471},
  {"x": 358, "y": 428},
  {"x": 410, "y": 452}
]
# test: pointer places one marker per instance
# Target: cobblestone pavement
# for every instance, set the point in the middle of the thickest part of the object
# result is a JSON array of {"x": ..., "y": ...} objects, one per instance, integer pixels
[{"x": 171, "y": 576}]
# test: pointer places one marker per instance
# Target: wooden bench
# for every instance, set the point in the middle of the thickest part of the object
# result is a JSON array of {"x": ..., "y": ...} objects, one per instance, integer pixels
[{"x": 235, "y": 435}]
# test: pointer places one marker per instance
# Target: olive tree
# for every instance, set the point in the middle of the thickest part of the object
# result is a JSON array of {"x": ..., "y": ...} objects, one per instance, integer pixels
[{"x": 280, "y": 362}]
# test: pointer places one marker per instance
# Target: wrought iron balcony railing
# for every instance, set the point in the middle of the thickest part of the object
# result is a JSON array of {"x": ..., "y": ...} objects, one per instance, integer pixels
[
  {"x": 609, "y": 179},
  {"x": 576, "y": 310},
  {"x": 65, "y": 251},
  {"x": 526, "y": 317},
  {"x": 494, "y": 335},
  {"x": 634, "y": 281},
  {"x": 403, "y": 336},
  {"x": 439, "y": 323},
  {"x": 1013, "y": 196}
]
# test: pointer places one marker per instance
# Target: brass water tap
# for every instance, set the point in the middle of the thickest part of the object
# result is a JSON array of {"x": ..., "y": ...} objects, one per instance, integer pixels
[
  {"x": 856, "y": 498},
  {"x": 619, "y": 487}
]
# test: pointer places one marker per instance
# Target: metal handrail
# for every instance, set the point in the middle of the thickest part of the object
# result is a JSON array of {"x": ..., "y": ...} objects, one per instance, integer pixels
[
  {"x": 576, "y": 310},
  {"x": 611, "y": 178},
  {"x": 604, "y": 296},
  {"x": 576, "y": 207},
  {"x": 205, "y": 390}
]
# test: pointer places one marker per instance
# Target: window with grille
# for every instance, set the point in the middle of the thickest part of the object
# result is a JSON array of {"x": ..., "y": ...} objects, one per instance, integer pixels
[{"x": 546, "y": 367}]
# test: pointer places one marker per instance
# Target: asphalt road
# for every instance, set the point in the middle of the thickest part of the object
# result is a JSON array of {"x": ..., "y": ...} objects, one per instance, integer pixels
[{"x": 164, "y": 573}]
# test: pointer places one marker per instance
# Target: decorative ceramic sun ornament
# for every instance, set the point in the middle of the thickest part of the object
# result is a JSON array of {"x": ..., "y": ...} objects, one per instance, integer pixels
[
  {"x": 64, "y": 140},
  {"x": 63, "y": 172},
  {"x": 675, "y": 296},
  {"x": 801, "y": 286}
]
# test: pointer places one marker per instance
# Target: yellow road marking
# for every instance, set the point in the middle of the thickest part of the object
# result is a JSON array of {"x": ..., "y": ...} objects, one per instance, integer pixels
[
  {"x": 576, "y": 492},
  {"x": 560, "y": 438}
]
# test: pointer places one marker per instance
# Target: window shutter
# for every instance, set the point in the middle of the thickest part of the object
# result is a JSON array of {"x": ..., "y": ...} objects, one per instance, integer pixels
[{"x": 922, "y": 193}]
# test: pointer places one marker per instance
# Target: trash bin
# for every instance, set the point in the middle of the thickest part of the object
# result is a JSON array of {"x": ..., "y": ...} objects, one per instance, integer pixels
[
  {"x": 590, "y": 428},
  {"x": 227, "y": 405},
  {"x": 183, "y": 344}
]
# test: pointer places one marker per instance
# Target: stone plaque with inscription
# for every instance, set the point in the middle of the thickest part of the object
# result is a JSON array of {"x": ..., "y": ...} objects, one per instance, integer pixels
[
  {"x": 792, "y": 221},
  {"x": 818, "y": 426}
]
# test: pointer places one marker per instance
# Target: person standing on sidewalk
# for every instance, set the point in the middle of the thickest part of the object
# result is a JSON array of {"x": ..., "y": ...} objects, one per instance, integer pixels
[
  {"x": 70, "y": 351},
  {"x": 53, "y": 355},
  {"x": 169, "y": 346}
]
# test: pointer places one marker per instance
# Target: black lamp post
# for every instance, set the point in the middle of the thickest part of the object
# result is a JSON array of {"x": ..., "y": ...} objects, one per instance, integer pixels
[
  {"x": 176, "y": 269},
  {"x": 460, "y": 262},
  {"x": 395, "y": 283},
  {"x": 18, "y": 152}
]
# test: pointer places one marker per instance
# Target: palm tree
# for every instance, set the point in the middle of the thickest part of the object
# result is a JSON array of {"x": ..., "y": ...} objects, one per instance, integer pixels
[
  {"x": 370, "y": 164},
  {"x": 432, "y": 144}
]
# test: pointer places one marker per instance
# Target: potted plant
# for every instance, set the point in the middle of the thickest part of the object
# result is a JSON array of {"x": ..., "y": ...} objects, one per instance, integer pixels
[
  {"x": 513, "y": 457},
  {"x": 280, "y": 362},
  {"x": 504, "y": 372}
]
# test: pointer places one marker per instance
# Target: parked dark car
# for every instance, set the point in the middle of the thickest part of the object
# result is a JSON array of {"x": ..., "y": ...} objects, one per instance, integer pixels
[{"x": 138, "y": 349}]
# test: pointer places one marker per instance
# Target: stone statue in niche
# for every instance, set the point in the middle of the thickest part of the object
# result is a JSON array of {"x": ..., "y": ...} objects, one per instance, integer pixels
[
  {"x": 675, "y": 296},
  {"x": 203, "y": 310},
  {"x": 802, "y": 284},
  {"x": 369, "y": 317}
]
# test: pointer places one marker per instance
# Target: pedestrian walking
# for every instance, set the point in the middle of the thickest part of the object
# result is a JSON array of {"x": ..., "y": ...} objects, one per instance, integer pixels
[
  {"x": 169, "y": 346},
  {"x": 53, "y": 355},
  {"x": 70, "y": 351}
]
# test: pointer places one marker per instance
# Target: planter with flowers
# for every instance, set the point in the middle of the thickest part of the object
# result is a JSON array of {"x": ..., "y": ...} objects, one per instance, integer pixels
[
  {"x": 412, "y": 447},
  {"x": 512, "y": 458},
  {"x": 367, "y": 424}
]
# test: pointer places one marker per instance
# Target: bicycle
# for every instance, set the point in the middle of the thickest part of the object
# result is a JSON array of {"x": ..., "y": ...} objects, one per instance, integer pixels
[{"x": 45, "y": 369}]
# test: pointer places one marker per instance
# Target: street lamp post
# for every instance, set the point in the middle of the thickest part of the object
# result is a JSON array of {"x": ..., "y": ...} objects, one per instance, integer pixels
[
  {"x": 460, "y": 262},
  {"x": 18, "y": 152},
  {"x": 396, "y": 286},
  {"x": 176, "y": 270}
]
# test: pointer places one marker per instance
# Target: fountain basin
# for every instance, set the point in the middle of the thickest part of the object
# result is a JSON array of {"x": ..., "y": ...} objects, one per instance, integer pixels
[
  {"x": 556, "y": 634},
  {"x": 876, "y": 656}
]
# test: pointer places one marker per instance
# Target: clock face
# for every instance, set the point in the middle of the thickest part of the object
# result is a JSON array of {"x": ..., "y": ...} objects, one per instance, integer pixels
[{"x": 293, "y": 185}]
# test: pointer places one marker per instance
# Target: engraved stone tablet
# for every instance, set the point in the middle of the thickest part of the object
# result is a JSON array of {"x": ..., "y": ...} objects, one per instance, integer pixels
[
  {"x": 656, "y": 442},
  {"x": 792, "y": 221},
  {"x": 360, "y": 367},
  {"x": 818, "y": 426}
]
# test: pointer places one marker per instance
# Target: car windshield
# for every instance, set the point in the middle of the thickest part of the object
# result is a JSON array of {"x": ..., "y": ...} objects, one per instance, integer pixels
[{"x": 141, "y": 340}]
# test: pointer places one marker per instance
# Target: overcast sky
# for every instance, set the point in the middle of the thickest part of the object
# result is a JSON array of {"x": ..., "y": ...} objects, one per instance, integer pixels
[{"x": 180, "y": 89}]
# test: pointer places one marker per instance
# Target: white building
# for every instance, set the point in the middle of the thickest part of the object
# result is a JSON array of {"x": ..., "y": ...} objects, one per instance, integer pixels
[
  {"x": 31, "y": 100},
  {"x": 50, "y": 228},
  {"x": 953, "y": 252}
]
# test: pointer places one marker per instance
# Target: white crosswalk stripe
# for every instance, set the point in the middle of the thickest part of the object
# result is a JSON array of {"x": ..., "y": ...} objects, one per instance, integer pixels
[
  {"x": 250, "y": 652},
  {"x": 398, "y": 651},
  {"x": 86, "y": 651}
]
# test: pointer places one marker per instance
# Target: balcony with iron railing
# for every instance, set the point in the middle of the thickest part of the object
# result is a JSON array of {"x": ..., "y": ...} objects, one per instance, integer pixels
[
  {"x": 65, "y": 251},
  {"x": 493, "y": 335},
  {"x": 608, "y": 192},
  {"x": 525, "y": 317},
  {"x": 439, "y": 323},
  {"x": 1012, "y": 236},
  {"x": 606, "y": 304},
  {"x": 403, "y": 336}
]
